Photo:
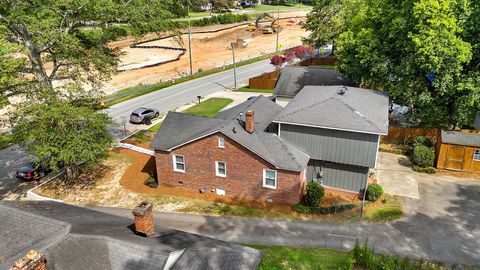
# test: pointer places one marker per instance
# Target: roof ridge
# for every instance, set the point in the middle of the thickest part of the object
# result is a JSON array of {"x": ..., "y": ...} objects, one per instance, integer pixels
[
  {"x": 283, "y": 144},
  {"x": 306, "y": 107}
]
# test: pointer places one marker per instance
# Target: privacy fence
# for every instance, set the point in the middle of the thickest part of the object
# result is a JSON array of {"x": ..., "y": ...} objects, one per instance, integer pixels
[{"x": 404, "y": 135}]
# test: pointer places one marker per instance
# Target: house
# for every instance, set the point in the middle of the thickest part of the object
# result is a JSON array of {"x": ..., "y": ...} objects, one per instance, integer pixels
[
  {"x": 458, "y": 151},
  {"x": 260, "y": 151},
  {"x": 72, "y": 237},
  {"x": 238, "y": 153},
  {"x": 294, "y": 78},
  {"x": 339, "y": 127}
]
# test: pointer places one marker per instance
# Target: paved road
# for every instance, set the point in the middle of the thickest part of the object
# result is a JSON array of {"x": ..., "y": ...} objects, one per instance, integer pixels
[
  {"x": 443, "y": 226},
  {"x": 171, "y": 97},
  {"x": 11, "y": 159}
]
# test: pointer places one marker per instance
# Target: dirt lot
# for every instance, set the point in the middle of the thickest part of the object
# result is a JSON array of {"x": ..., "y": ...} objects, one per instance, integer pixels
[{"x": 208, "y": 51}]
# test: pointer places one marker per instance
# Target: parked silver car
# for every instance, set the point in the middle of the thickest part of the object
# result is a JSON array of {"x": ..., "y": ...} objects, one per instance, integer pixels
[{"x": 143, "y": 115}]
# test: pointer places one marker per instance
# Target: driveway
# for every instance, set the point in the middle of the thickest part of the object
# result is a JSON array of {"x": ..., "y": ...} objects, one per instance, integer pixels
[{"x": 11, "y": 159}]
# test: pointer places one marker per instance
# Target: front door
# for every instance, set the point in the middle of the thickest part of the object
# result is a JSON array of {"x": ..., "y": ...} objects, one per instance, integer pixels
[{"x": 454, "y": 157}]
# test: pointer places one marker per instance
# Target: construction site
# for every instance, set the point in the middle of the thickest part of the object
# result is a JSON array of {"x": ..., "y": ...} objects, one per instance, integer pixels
[{"x": 156, "y": 58}]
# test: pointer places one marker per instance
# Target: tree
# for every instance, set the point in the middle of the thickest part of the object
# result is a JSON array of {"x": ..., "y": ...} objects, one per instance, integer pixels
[
  {"x": 416, "y": 50},
  {"x": 59, "y": 134},
  {"x": 324, "y": 22},
  {"x": 277, "y": 61},
  {"x": 65, "y": 40}
]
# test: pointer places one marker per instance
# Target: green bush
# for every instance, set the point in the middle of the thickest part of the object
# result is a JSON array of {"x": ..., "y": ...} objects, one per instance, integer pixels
[
  {"x": 423, "y": 156},
  {"x": 428, "y": 170},
  {"x": 422, "y": 140},
  {"x": 304, "y": 209},
  {"x": 315, "y": 193},
  {"x": 374, "y": 191}
]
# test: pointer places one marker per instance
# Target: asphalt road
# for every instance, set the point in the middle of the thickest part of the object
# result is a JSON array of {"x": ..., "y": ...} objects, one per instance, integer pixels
[
  {"x": 168, "y": 98},
  {"x": 11, "y": 159}
]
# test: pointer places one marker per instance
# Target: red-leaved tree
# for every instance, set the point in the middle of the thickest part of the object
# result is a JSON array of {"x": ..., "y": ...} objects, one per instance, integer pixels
[
  {"x": 277, "y": 61},
  {"x": 290, "y": 57},
  {"x": 301, "y": 52}
]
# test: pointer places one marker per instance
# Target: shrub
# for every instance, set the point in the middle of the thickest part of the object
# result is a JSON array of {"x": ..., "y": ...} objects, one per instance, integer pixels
[
  {"x": 374, "y": 191},
  {"x": 422, "y": 140},
  {"x": 277, "y": 61},
  {"x": 428, "y": 170},
  {"x": 423, "y": 156},
  {"x": 304, "y": 209},
  {"x": 315, "y": 193}
]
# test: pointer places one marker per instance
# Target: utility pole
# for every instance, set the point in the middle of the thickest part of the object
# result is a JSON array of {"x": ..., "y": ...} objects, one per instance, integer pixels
[
  {"x": 189, "y": 41},
  {"x": 278, "y": 29},
  {"x": 234, "y": 67}
]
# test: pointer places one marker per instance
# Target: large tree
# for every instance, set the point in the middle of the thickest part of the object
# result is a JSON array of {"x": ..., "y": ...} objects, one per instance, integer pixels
[
  {"x": 418, "y": 50},
  {"x": 62, "y": 134},
  {"x": 66, "y": 40}
]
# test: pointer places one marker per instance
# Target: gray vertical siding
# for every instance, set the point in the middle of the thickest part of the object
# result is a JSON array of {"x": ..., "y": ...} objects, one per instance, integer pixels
[
  {"x": 336, "y": 175},
  {"x": 333, "y": 145}
]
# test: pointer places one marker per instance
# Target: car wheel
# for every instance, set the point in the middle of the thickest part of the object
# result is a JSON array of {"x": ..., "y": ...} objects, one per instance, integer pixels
[{"x": 156, "y": 115}]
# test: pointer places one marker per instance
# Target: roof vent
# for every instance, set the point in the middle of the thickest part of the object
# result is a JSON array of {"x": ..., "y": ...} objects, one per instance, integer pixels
[{"x": 342, "y": 90}]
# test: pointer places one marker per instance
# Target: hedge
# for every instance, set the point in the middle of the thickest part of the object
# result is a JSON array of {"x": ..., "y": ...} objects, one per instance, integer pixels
[
  {"x": 324, "y": 210},
  {"x": 419, "y": 169},
  {"x": 423, "y": 156}
]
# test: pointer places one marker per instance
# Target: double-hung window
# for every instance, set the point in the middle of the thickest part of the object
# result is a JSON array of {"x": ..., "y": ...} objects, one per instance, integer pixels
[
  {"x": 221, "y": 142},
  {"x": 220, "y": 168},
  {"x": 476, "y": 155},
  {"x": 179, "y": 163},
  {"x": 270, "y": 178}
]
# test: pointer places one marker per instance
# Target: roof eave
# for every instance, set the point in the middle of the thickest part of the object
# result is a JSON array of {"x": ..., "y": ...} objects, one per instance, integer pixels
[{"x": 332, "y": 128}]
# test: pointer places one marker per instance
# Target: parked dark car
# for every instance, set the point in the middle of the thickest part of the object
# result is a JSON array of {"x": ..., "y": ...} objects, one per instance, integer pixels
[
  {"x": 143, "y": 115},
  {"x": 32, "y": 171}
]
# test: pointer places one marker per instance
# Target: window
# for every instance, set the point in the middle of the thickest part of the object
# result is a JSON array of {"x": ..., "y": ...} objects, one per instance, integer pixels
[
  {"x": 270, "y": 179},
  {"x": 221, "y": 142},
  {"x": 220, "y": 169},
  {"x": 476, "y": 155},
  {"x": 178, "y": 163}
]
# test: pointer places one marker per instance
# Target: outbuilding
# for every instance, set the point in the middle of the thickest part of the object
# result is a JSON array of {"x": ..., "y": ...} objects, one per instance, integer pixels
[{"x": 458, "y": 151}]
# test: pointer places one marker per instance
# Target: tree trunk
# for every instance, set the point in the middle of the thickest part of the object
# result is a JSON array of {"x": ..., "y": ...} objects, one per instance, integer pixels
[{"x": 70, "y": 174}]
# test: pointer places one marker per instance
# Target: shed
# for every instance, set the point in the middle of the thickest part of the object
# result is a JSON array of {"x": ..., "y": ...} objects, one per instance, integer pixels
[{"x": 458, "y": 151}]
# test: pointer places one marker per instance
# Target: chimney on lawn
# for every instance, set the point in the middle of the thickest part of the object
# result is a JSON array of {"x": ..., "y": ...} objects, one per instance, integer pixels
[
  {"x": 33, "y": 260},
  {"x": 143, "y": 217},
  {"x": 249, "y": 121}
]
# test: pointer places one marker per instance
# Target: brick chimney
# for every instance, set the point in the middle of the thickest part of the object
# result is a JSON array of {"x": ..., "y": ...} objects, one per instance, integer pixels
[
  {"x": 249, "y": 121},
  {"x": 143, "y": 217},
  {"x": 33, "y": 260}
]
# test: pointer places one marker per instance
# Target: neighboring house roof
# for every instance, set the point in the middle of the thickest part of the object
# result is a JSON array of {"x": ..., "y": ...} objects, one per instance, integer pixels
[
  {"x": 78, "y": 238},
  {"x": 293, "y": 79},
  {"x": 357, "y": 110},
  {"x": 460, "y": 138},
  {"x": 179, "y": 129}
]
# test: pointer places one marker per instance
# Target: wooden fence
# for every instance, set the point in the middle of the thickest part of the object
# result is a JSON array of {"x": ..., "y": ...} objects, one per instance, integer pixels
[
  {"x": 320, "y": 61},
  {"x": 406, "y": 135},
  {"x": 264, "y": 81}
]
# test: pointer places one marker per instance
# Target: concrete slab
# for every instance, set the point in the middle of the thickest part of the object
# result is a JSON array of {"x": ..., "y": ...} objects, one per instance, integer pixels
[{"x": 395, "y": 176}]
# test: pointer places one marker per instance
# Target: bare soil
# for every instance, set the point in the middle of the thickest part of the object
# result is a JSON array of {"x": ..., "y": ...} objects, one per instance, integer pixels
[{"x": 208, "y": 51}]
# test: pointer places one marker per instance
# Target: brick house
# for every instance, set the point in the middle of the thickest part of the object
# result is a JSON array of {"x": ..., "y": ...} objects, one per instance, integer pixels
[{"x": 260, "y": 151}]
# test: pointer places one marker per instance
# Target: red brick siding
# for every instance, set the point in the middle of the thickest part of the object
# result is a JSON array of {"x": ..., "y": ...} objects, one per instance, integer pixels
[{"x": 244, "y": 171}]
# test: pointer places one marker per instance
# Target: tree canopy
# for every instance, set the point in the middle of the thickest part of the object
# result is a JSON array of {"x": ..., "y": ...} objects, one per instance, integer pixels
[{"x": 423, "y": 52}]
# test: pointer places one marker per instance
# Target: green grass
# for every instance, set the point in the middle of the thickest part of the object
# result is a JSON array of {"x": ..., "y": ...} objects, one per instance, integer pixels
[
  {"x": 141, "y": 136},
  {"x": 300, "y": 258},
  {"x": 6, "y": 139},
  {"x": 155, "y": 127},
  {"x": 253, "y": 90},
  {"x": 387, "y": 208},
  {"x": 209, "y": 107}
]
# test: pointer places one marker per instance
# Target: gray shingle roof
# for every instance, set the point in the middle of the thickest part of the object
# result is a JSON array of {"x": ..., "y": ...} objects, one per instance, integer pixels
[
  {"x": 358, "y": 110},
  {"x": 178, "y": 129},
  {"x": 460, "y": 138},
  {"x": 293, "y": 79},
  {"x": 78, "y": 238}
]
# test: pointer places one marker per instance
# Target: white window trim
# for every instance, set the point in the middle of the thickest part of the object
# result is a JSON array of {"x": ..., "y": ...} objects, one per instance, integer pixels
[
  {"x": 265, "y": 178},
  {"x": 217, "y": 173},
  {"x": 175, "y": 169},
  {"x": 475, "y": 154},
  {"x": 221, "y": 139}
]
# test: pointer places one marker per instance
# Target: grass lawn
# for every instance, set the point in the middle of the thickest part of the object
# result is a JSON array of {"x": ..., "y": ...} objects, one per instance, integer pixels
[
  {"x": 387, "y": 208},
  {"x": 6, "y": 139},
  {"x": 209, "y": 107},
  {"x": 247, "y": 89},
  {"x": 155, "y": 127},
  {"x": 300, "y": 258}
]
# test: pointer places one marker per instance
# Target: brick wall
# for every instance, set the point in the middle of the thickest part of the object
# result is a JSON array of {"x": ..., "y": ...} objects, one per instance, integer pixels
[{"x": 244, "y": 178}]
